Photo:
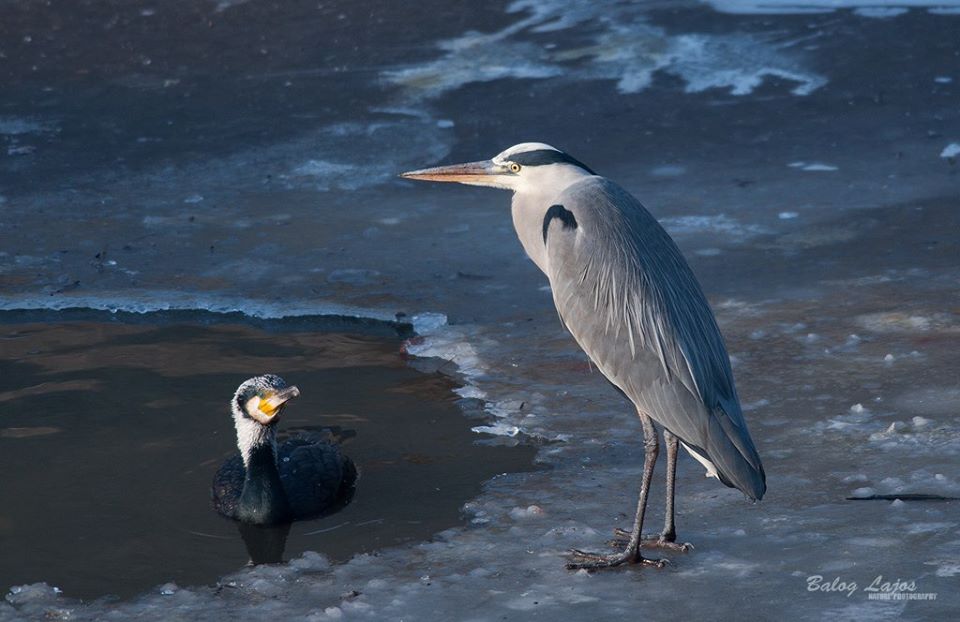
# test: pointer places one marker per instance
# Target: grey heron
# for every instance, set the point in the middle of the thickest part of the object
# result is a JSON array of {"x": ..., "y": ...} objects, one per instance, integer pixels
[{"x": 624, "y": 291}]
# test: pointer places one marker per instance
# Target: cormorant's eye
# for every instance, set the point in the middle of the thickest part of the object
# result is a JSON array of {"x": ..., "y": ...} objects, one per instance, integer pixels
[{"x": 514, "y": 167}]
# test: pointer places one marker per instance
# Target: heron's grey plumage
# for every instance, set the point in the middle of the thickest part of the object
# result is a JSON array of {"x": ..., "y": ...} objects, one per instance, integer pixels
[{"x": 626, "y": 294}]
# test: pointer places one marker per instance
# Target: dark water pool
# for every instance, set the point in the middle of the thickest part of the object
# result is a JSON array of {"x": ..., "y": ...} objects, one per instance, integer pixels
[{"x": 110, "y": 433}]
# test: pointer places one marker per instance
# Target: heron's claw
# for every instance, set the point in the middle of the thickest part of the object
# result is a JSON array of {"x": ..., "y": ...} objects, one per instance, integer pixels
[
  {"x": 622, "y": 539},
  {"x": 597, "y": 561},
  {"x": 656, "y": 542}
]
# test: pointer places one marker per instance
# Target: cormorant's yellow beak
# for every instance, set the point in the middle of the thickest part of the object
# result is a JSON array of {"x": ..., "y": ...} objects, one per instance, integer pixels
[{"x": 272, "y": 402}]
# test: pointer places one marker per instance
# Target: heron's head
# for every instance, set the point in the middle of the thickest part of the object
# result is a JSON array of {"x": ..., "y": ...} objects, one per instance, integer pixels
[
  {"x": 523, "y": 168},
  {"x": 260, "y": 400}
]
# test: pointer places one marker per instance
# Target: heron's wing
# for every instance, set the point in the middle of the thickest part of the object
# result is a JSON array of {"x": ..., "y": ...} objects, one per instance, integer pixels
[{"x": 625, "y": 292}]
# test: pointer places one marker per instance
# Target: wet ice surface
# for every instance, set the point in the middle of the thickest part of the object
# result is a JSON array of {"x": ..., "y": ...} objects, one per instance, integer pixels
[{"x": 834, "y": 281}]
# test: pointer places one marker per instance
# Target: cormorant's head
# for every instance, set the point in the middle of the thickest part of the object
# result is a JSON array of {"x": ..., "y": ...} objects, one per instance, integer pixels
[{"x": 262, "y": 399}]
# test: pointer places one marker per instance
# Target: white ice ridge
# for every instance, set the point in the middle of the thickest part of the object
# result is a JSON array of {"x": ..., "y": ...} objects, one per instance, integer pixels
[
  {"x": 156, "y": 301},
  {"x": 867, "y": 8},
  {"x": 623, "y": 48},
  {"x": 438, "y": 339}
]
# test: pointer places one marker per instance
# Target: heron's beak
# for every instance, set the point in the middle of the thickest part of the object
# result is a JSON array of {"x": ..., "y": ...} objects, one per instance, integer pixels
[
  {"x": 273, "y": 404},
  {"x": 482, "y": 173}
]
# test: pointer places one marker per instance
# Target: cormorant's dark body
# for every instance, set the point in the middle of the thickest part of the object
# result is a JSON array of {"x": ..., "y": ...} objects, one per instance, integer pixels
[{"x": 309, "y": 478}]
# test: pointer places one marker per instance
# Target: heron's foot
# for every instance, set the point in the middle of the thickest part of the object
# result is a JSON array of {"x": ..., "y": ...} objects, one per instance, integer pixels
[
  {"x": 660, "y": 541},
  {"x": 596, "y": 561}
]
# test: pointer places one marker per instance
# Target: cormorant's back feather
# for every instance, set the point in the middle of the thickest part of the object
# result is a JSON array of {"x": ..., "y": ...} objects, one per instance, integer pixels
[{"x": 317, "y": 479}]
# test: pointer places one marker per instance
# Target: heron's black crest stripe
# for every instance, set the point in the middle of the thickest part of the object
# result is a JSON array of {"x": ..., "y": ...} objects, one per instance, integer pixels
[
  {"x": 546, "y": 156},
  {"x": 565, "y": 216}
]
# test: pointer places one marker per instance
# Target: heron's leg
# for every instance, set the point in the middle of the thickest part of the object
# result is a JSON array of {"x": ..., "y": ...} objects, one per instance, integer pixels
[
  {"x": 673, "y": 445},
  {"x": 668, "y": 538},
  {"x": 631, "y": 553}
]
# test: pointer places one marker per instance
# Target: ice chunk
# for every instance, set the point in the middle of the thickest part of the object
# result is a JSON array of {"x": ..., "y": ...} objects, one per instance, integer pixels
[
  {"x": 531, "y": 511},
  {"x": 950, "y": 151},
  {"x": 35, "y": 593},
  {"x": 427, "y": 323},
  {"x": 894, "y": 428},
  {"x": 168, "y": 589},
  {"x": 812, "y": 166},
  {"x": 498, "y": 429},
  {"x": 948, "y": 568}
]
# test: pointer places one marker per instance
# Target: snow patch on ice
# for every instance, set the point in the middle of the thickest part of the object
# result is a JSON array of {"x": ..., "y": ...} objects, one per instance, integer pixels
[
  {"x": 498, "y": 428},
  {"x": 624, "y": 48},
  {"x": 949, "y": 568},
  {"x": 918, "y": 528},
  {"x": 866, "y": 8},
  {"x": 428, "y": 323},
  {"x": 812, "y": 166},
  {"x": 362, "y": 146},
  {"x": 223, "y": 5},
  {"x": 471, "y": 58},
  {"x": 897, "y": 322},
  {"x": 880, "y": 12},
  {"x": 723, "y": 224},
  {"x": 531, "y": 511},
  {"x": 16, "y": 126},
  {"x": 950, "y": 151}
]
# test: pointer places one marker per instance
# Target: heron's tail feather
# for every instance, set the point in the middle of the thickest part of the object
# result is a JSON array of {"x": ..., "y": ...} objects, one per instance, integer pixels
[{"x": 736, "y": 461}]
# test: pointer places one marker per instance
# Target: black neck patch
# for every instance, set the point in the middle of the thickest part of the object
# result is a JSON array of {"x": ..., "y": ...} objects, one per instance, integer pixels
[
  {"x": 565, "y": 216},
  {"x": 540, "y": 157}
]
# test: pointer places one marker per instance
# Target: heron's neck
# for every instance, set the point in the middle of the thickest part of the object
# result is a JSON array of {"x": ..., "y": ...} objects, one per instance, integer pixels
[{"x": 528, "y": 210}]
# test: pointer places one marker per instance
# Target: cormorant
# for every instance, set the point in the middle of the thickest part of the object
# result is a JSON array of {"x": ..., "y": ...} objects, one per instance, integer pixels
[{"x": 269, "y": 483}]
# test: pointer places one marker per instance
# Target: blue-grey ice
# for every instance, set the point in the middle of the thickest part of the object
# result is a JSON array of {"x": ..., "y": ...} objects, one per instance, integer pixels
[{"x": 699, "y": 108}]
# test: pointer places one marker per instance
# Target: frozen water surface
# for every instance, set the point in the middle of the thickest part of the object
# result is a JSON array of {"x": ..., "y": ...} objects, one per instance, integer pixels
[
  {"x": 131, "y": 417},
  {"x": 291, "y": 122}
]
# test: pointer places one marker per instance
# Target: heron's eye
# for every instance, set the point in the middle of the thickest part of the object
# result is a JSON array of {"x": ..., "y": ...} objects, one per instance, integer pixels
[{"x": 514, "y": 167}]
